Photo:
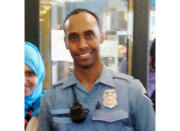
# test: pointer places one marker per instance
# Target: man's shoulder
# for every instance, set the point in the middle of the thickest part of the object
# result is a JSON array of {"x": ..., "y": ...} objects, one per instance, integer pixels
[
  {"x": 60, "y": 83},
  {"x": 121, "y": 76},
  {"x": 127, "y": 81},
  {"x": 55, "y": 94},
  {"x": 56, "y": 87}
]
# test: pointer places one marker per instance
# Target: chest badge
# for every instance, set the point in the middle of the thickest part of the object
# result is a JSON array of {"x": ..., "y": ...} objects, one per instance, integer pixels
[{"x": 110, "y": 98}]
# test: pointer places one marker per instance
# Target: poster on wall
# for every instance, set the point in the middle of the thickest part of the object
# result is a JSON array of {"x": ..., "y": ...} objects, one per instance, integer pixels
[
  {"x": 109, "y": 54},
  {"x": 58, "y": 49}
]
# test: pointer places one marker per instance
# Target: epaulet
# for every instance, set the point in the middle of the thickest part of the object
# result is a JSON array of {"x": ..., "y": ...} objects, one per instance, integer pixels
[{"x": 122, "y": 76}]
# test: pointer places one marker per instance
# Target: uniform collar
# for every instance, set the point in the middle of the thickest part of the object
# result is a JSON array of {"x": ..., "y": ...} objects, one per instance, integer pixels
[
  {"x": 70, "y": 80},
  {"x": 74, "y": 82},
  {"x": 106, "y": 78}
]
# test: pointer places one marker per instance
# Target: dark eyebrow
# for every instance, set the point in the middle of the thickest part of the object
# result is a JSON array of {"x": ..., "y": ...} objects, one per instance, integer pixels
[
  {"x": 89, "y": 31},
  {"x": 72, "y": 33}
]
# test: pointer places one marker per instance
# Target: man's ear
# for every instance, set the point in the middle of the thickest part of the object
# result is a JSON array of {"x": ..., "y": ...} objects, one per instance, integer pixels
[
  {"x": 101, "y": 37},
  {"x": 66, "y": 44}
]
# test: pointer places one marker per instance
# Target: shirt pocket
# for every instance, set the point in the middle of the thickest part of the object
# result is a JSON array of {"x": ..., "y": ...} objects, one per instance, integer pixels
[
  {"x": 113, "y": 120},
  {"x": 60, "y": 116},
  {"x": 110, "y": 115}
]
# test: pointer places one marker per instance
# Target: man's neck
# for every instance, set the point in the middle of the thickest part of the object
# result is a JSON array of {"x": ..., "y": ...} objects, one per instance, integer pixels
[{"x": 88, "y": 76}]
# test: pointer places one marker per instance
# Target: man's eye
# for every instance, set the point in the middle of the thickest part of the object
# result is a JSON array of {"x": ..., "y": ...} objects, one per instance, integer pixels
[
  {"x": 73, "y": 38},
  {"x": 88, "y": 35}
]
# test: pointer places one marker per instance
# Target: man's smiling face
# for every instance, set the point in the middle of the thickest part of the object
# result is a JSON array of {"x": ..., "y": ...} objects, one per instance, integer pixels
[{"x": 82, "y": 38}]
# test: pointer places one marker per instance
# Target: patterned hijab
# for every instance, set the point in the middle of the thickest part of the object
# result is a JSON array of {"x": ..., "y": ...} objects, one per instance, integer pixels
[{"x": 33, "y": 59}]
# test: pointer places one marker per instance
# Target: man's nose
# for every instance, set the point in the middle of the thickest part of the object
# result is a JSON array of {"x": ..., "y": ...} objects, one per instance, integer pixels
[{"x": 83, "y": 44}]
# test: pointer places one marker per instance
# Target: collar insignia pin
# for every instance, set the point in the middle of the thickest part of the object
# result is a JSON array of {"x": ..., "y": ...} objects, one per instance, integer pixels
[{"x": 110, "y": 98}]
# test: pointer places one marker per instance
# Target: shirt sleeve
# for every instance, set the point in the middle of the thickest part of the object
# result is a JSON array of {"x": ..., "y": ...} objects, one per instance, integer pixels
[
  {"x": 44, "y": 116},
  {"x": 143, "y": 116}
]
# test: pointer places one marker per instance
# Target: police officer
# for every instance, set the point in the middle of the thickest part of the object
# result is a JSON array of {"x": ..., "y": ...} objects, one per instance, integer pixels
[{"x": 93, "y": 98}]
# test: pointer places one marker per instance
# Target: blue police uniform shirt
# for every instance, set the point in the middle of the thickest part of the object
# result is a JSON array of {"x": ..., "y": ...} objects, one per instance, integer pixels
[{"x": 133, "y": 112}]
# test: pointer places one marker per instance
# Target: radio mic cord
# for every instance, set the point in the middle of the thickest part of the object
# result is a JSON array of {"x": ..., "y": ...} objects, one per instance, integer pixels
[{"x": 78, "y": 113}]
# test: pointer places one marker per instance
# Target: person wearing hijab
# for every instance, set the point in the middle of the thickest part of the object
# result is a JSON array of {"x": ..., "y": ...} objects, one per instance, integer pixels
[{"x": 33, "y": 86}]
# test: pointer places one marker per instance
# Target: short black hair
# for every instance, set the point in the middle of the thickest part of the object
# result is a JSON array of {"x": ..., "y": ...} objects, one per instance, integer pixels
[{"x": 79, "y": 10}]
